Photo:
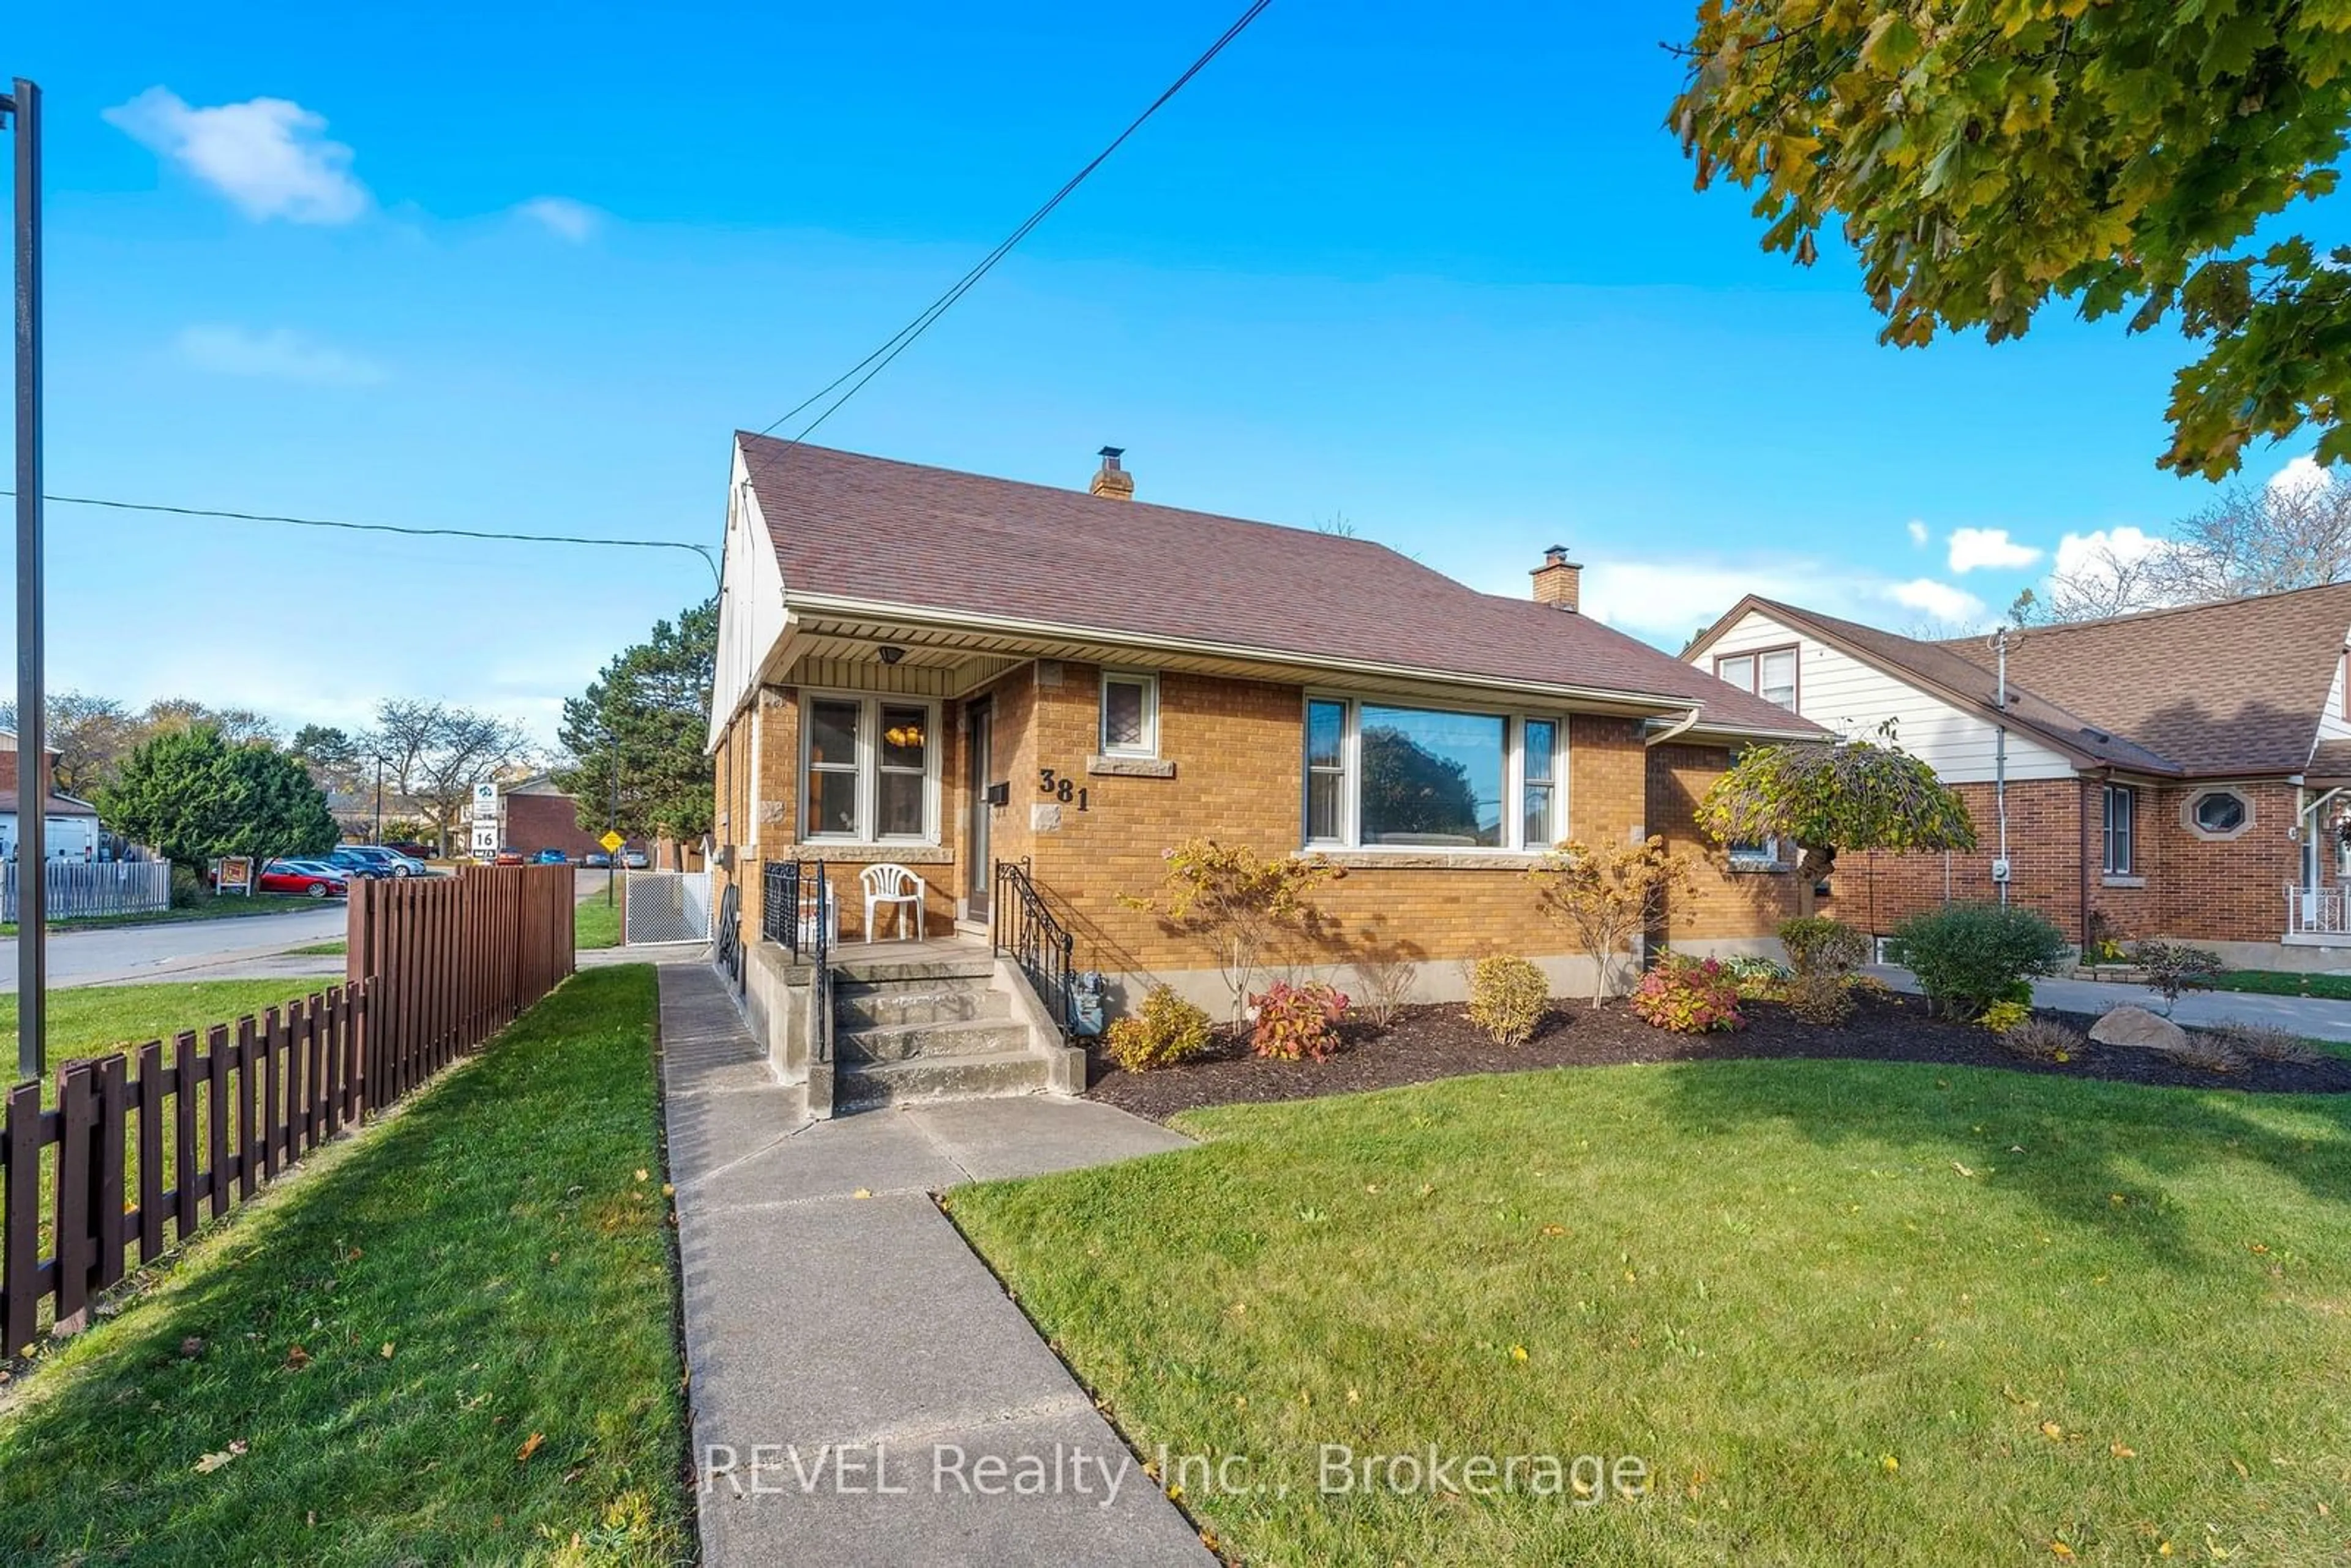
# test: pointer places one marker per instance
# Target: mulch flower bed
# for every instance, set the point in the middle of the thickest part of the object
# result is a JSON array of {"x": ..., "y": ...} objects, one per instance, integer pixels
[{"x": 1430, "y": 1043}]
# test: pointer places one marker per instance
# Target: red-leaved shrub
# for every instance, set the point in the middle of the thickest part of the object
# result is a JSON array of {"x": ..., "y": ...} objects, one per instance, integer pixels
[
  {"x": 1298, "y": 1023},
  {"x": 1689, "y": 996}
]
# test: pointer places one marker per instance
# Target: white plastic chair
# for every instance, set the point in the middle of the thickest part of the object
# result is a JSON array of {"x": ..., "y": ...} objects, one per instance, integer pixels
[{"x": 888, "y": 884}]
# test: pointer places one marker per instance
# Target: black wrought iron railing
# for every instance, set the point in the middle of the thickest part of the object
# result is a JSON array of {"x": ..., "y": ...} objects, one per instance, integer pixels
[
  {"x": 796, "y": 909},
  {"x": 730, "y": 934},
  {"x": 1026, "y": 930}
]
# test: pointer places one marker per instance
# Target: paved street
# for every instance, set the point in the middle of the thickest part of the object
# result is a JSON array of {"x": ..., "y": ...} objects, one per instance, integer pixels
[{"x": 241, "y": 948}]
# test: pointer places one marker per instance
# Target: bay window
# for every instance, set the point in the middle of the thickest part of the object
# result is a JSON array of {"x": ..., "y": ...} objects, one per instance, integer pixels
[
  {"x": 871, "y": 770},
  {"x": 1387, "y": 776}
]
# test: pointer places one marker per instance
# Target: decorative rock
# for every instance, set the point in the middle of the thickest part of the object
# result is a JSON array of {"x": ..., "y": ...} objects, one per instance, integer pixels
[{"x": 2140, "y": 1029}]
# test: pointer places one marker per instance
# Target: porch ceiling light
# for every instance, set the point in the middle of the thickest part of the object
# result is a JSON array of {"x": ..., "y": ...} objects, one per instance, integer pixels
[{"x": 892, "y": 652}]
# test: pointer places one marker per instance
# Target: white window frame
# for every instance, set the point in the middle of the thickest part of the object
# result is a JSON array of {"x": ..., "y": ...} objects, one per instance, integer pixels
[
  {"x": 2106, "y": 835},
  {"x": 869, "y": 766},
  {"x": 1149, "y": 682},
  {"x": 1350, "y": 773}
]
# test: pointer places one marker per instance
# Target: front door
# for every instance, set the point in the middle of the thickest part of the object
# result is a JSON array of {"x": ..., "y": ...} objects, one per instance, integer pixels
[{"x": 979, "y": 870}]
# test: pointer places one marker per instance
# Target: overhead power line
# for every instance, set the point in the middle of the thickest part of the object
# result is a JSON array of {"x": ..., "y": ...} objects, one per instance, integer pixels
[
  {"x": 413, "y": 532},
  {"x": 875, "y": 363}
]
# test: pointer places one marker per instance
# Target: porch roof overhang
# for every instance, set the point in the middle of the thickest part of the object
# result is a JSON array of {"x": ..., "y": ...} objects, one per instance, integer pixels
[{"x": 950, "y": 654}]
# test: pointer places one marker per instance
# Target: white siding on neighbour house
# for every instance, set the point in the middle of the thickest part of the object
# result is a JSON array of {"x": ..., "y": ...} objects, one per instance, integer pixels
[
  {"x": 750, "y": 603},
  {"x": 2332, "y": 725},
  {"x": 1839, "y": 692}
]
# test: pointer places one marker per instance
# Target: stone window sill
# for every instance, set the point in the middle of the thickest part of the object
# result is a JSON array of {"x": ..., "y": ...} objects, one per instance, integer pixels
[
  {"x": 1758, "y": 868},
  {"x": 1132, "y": 767},
  {"x": 2122, "y": 882},
  {"x": 854, "y": 853},
  {"x": 1427, "y": 859}
]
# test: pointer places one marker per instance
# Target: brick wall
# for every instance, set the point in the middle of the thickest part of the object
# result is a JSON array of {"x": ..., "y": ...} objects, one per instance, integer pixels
[
  {"x": 1238, "y": 776},
  {"x": 1724, "y": 908},
  {"x": 2181, "y": 885}
]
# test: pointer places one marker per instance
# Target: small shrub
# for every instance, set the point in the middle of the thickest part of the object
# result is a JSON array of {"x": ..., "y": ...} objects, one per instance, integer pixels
[
  {"x": 1507, "y": 999},
  {"x": 186, "y": 888},
  {"x": 1817, "y": 945},
  {"x": 1970, "y": 956},
  {"x": 2204, "y": 1052},
  {"x": 1165, "y": 1030},
  {"x": 1688, "y": 997},
  {"x": 2099, "y": 942},
  {"x": 1383, "y": 985},
  {"x": 1866, "y": 986},
  {"x": 1820, "y": 998},
  {"x": 2173, "y": 967},
  {"x": 2043, "y": 1040},
  {"x": 1298, "y": 1023},
  {"x": 2005, "y": 1015},
  {"x": 2263, "y": 1043},
  {"x": 1757, "y": 977}
]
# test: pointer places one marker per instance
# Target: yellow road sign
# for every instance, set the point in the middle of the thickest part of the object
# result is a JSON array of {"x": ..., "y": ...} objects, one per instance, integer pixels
[{"x": 611, "y": 840}]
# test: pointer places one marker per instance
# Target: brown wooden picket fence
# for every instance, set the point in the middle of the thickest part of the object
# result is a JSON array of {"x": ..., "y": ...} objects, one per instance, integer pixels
[{"x": 162, "y": 1138}]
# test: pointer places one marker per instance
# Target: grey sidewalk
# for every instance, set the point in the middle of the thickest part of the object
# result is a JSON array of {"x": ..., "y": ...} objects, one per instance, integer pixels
[
  {"x": 2312, "y": 1017},
  {"x": 842, "y": 1341}
]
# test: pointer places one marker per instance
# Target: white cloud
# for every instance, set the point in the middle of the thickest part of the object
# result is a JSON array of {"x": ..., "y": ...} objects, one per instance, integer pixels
[
  {"x": 2303, "y": 475},
  {"x": 2095, "y": 553},
  {"x": 1973, "y": 549},
  {"x": 1677, "y": 599},
  {"x": 266, "y": 154},
  {"x": 278, "y": 354},
  {"x": 1936, "y": 601},
  {"x": 1917, "y": 532},
  {"x": 563, "y": 217}
]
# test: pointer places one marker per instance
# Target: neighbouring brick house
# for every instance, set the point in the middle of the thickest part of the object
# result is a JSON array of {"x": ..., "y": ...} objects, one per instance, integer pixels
[
  {"x": 946, "y": 672},
  {"x": 2182, "y": 773},
  {"x": 534, "y": 814}
]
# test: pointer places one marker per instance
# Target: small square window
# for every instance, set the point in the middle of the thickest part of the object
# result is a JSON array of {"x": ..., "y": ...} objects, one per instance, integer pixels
[{"x": 1130, "y": 715}]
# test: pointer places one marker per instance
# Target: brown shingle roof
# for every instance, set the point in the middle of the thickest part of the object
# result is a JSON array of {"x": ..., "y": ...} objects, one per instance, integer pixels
[
  {"x": 1943, "y": 668},
  {"x": 2231, "y": 687},
  {"x": 877, "y": 531}
]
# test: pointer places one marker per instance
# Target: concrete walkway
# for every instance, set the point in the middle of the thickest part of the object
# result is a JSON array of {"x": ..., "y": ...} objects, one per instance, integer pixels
[
  {"x": 2312, "y": 1017},
  {"x": 857, "y": 1375}
]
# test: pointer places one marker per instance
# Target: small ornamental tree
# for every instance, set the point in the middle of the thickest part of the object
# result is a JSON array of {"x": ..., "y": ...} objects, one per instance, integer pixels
[
  {"x": 1605, "y": 895},
  {"x": 1237, "y": 904},
  {"x": 1855, "y": 795},
  {"x": 197, "y": 796}
]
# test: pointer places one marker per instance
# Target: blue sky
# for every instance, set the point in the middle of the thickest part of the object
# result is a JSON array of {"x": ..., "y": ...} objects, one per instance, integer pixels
[{"x": 1434, "y": 269}]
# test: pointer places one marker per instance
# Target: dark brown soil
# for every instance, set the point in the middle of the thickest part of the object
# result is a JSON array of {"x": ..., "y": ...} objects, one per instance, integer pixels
[{"x": 1428, "y": 1042}]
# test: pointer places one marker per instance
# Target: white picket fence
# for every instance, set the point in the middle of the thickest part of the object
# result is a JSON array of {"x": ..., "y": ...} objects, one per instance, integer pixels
[{"x": 78, "y": 889}]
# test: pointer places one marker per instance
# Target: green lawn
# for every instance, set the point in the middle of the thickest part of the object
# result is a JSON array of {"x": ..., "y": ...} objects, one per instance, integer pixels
[
  {"x": 206, "y": 907},
  {"x": 2281, "y": 983},
  {"x": 595, "y": 925},
  {"x": 482, "y": 1292},
  {"x": 1845, "y": 1312},
  {"x": 92, "y": 1021},
  {"x": 319, "y": 950}
]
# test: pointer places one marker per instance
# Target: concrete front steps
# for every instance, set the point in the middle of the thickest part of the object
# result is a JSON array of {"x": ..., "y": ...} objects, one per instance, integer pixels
[{"x": 912, "y": 1030}]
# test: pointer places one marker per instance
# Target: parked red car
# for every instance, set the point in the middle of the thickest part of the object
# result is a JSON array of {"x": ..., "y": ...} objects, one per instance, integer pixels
[{"x": 309, "y": 880}]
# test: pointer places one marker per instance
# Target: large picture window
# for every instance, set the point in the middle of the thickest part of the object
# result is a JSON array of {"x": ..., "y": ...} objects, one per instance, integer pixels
[
  {"x": 871, "y": 770},
  {"x": 1385, "y": 775}
]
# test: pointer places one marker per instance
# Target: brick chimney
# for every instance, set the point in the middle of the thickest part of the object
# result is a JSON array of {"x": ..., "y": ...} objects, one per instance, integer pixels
[
  {"x": 1110, "y": 479},
  {"x": 1559, "y": 581}
]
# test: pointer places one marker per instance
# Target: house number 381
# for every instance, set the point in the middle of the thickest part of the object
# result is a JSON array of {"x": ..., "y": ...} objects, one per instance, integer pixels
[{"x": 1051, "y": 782}]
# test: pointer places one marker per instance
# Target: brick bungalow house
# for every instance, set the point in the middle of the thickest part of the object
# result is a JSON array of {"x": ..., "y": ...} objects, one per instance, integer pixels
[
  {"x": 2181, "y": 773},
  {"x": 950, "y": 673}
]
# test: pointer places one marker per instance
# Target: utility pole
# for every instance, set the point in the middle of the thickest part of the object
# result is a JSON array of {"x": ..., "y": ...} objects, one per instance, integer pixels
[
  {"x": 612, "y": 821},
  {"x": 22, "y": 108}
]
